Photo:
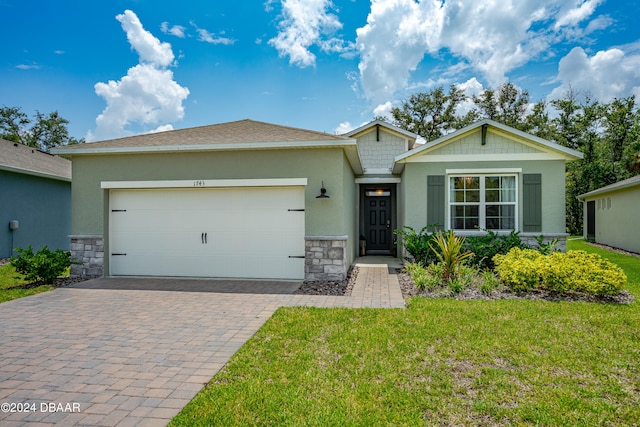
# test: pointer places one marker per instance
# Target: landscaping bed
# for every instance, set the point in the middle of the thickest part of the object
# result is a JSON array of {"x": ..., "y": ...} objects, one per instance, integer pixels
[
  {"x": 336, "y": 288},
  {"x": 409, "y": 290}
]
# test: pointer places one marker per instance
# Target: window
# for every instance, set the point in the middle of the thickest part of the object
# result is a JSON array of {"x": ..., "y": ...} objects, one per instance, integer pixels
[{"x": 482, "y": 201}]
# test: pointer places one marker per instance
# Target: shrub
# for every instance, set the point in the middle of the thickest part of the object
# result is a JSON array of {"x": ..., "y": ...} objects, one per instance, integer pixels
[
  {"x": 488, "y": 245},
  {"x": 450, "y": 253},
  {"x": 417, "y": 244},
  {"x": 424, "y": 277},
  {"x": 489, "y": 282},
  {"x": 575, "y": 271},
  {"x": 43, "y": 265}
]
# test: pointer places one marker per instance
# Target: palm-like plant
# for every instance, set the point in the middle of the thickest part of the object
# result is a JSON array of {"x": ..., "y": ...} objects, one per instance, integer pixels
[{"x": 450, "y": 252}]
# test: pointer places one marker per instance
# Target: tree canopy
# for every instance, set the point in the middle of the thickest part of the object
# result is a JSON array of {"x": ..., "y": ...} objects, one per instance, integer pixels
[
  {"x": 608, "y": 134},
  {"x": 43, "y": 132}
]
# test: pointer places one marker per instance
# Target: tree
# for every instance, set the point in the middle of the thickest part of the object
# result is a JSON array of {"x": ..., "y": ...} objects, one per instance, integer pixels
[
  {"x": 12, "y": 124},
  {"x": 507, "y": 105},
  {"x": 430, "y": 114},
  {"x": 46, "y": 130}
]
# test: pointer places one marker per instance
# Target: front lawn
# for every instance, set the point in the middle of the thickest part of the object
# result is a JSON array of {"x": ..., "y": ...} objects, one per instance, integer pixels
[
  {"x": 10, "y": 285},
  {"x": 439, "y": 362}
]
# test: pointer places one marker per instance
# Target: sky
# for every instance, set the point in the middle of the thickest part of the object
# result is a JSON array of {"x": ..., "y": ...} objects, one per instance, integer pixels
[{"x": 124, "y": 67}]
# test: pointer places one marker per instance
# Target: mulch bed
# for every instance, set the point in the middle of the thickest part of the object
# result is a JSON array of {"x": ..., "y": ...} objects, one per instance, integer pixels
[
  {"x": 338, "y": 288},
  {"x": 410, "y": 290}
]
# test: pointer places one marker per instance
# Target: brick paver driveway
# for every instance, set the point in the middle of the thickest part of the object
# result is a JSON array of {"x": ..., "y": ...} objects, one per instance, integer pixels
[{"x": 95, "y": 355}]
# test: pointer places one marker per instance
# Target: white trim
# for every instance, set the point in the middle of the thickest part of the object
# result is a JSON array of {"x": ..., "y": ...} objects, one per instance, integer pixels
[
  {"x": 567, "y": 153},
  {"x": 35, "y": 173},
  {"x": 91, "y": 149},
  {"x": 207, "y": 183},
  {"x": 483, "y": 171},
  {"x": 437, "y": 158},
  {"x": 482, "y": 203},
  {"x": 378, "y": 180}
]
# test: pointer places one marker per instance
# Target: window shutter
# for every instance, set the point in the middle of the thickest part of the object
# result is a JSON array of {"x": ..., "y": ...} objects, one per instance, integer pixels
[
  {"x": 435, "y": 200},
  {"x": 532, "y": 202}
]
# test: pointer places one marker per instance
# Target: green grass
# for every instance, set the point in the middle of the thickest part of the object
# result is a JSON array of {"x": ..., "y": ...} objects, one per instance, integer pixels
[
  {"x": 8, "y": 281},
  {"x": 439, "y": 362}
]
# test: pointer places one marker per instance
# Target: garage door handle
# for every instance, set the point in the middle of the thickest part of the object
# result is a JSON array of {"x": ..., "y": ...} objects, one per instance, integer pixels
[{"x": 203, "y": 238}]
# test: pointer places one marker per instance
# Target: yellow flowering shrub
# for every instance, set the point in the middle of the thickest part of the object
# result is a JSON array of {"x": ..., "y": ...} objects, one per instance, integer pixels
[{"x": 575, "y": 271}]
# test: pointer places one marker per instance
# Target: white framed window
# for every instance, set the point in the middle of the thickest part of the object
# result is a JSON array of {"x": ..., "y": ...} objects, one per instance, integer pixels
[{"x": 483, "y": 201}]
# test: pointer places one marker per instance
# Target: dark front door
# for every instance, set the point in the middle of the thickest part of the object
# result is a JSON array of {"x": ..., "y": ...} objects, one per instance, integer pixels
[
  {"x": 591, "y": 220},
  {"x": 377, "y": 215}
]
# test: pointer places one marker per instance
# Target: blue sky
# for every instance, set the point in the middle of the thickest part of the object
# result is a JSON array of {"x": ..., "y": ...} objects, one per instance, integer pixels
[{"x": 124, "y": 67}]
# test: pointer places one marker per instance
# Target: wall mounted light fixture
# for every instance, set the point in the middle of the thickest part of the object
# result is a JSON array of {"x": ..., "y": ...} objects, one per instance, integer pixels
[{"x": 323, "y": 192}]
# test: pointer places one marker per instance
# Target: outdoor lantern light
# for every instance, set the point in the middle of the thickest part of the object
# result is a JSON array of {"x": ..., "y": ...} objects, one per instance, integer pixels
[{"x": 323, "y": 192}]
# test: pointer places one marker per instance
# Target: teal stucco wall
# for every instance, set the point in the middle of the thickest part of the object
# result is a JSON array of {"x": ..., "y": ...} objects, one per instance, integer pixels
[{"x": 42, "y": 206}]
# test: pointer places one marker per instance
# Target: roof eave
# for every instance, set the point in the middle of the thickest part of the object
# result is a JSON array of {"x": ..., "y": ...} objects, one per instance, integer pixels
[
  {"x": 77, "y": 149},
  {"x": 567, "y": 153},
  {"x": 609, "y": 188},
  {"x": 35, "y": 173}
]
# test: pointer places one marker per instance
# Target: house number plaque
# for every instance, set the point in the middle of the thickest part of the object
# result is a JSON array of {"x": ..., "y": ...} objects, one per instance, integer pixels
[{"x": 199, "y": 183}]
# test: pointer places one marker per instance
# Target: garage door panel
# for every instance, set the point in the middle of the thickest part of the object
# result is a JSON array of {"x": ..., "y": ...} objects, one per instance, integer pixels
[{"x": 250, "y": 232}]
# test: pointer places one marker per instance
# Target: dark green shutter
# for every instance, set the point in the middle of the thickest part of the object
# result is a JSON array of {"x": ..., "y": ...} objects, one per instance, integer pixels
[
  {"x": 532, "y": 202},
  {"x": 435, "y": 200}
]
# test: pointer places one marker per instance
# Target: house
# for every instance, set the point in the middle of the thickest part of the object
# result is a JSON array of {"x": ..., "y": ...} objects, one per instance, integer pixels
[
  {"x": 257, "y": 200},
  {"x": 35, "y": 199},
  {"x": 610, "y": 212}
]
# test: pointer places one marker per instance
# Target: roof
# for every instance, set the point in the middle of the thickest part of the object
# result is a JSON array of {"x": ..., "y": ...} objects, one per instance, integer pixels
[
  {"x": 19, "y": 158},
  {"x": 405, "y": 133},
  {"x": 631, "y": 182},
  {"x": 567, "y": 153},
  {"x": 242, "y": 134}
]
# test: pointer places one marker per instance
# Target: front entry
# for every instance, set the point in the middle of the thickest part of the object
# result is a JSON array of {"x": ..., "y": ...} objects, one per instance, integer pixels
[{"x": 378, "y": 227}]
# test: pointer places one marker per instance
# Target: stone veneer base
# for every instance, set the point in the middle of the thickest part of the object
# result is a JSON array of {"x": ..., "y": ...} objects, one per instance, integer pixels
[
  {"x": 325, "y": 258},
  {"x": 88, "y": 250}
]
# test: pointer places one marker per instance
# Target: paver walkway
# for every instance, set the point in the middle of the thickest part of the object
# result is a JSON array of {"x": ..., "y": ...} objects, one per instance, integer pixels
[{"x": 122, "y": 353}]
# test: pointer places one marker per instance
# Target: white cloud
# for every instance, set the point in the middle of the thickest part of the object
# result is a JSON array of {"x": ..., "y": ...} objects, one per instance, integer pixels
[
  {"x": 147, "y": 98},
  {"x": 492, "y": 37},
  {"x": 149, "y": 48},
  {"x": 606, "y": 75},
  {"x": 206, "y": 36},
  {"x": 384, "y": 110},
  {"x": 571, "y": 15},
  {"x": 176, "y": 30},
  {"x": 28, "y": 66},
  {"x": 307, "y": 23},
  {"x": 343, "y": 128}
]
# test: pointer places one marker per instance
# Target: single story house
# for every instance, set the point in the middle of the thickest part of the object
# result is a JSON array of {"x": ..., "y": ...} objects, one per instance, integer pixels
[
  {"x": 610, "y": 212},
  {"x": 257, "y": 200},
  {"x": 35, "y": 199}
]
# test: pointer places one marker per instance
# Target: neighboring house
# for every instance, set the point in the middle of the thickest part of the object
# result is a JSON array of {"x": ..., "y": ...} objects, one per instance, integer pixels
[
  {"x": 257, "y": 200},
  {"x": 610, "y": 214},
  {"x": 35, "y": 191}
]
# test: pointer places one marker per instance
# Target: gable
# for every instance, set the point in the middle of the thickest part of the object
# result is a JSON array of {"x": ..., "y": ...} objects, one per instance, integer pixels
[
  {"x": 378, "y": 148},
  {"x": 496, "y": 146},
  {"x": 486, "y": 141}
]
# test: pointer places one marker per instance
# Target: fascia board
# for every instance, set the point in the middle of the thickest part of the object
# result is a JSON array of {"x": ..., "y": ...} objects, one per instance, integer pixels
[
  {"x": 34, "y": 173},
  {"x": 203, "y": 147}
]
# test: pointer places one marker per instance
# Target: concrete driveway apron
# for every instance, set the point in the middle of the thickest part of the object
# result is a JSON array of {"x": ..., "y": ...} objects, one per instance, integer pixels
[{"x": 120, "y": 352}]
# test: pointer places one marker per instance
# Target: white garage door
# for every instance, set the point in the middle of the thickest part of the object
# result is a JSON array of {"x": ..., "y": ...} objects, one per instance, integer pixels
[{"x": 244, "y": 232}]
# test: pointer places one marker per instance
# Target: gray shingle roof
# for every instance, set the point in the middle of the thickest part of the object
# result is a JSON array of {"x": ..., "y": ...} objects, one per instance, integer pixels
[
  {"x": 630, "y": 182},
  {"x": 20, "y": 158},
  {"x": 238, "y": 132}
]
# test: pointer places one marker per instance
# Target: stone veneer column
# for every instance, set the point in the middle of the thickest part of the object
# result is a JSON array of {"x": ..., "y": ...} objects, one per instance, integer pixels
[
  {"x": 325, "y": 258},
  {"x": 89, "y": 251}
]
